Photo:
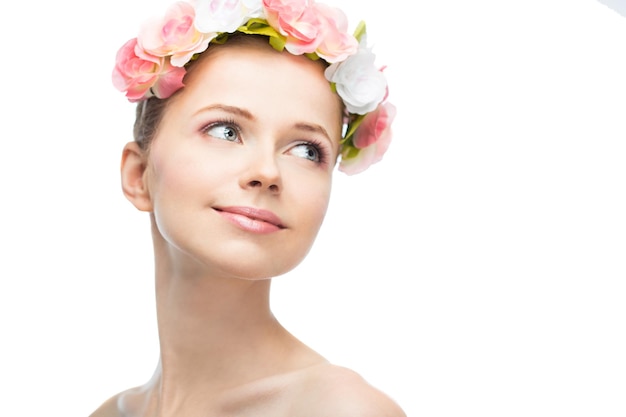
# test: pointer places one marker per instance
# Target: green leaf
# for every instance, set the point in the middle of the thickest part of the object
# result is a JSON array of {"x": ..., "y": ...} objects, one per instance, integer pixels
[
  {"x": 360, "y": 31},
  {"x": 353, "y": 126},
  {"x": 349, "y": 152},
  {"x": 258, "y": 26},
  {"x": 312, "y": 56},
  {"x": 277, "y": 43},
  {"x": 220, "y": 39}
]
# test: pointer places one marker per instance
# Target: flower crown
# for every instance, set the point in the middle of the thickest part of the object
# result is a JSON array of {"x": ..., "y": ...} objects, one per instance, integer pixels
[{"x": 153, "y": 63}]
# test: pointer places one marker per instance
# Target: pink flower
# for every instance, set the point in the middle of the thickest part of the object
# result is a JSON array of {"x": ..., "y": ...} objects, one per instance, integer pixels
[
  {"x": 337, "y": 44},
  {"x": 174, "y": 35},
  {"x": 142, "y": 75},
  {"x": 372, "y": 139},
  {"x": 298, "y": 21},
  {"x": 225, "y": 15}
]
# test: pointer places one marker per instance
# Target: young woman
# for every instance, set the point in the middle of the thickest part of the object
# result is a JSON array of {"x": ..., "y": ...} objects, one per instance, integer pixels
[{"x": 235, "y": 171}]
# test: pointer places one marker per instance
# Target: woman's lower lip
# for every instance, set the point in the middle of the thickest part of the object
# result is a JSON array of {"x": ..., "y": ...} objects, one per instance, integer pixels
[{"x": 249, "y": 224}]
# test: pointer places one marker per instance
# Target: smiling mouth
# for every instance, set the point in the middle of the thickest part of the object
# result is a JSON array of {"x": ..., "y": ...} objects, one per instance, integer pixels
[{"x": 252, "y": 219}]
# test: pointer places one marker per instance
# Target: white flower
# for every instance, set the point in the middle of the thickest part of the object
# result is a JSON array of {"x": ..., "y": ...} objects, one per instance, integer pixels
[
  {"x": 359, "y": 83},
  {"x": 225, "y": 15}
]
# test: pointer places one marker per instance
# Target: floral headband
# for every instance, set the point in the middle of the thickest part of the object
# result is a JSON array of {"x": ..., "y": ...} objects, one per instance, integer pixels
[{"x": 153, "y": 63}]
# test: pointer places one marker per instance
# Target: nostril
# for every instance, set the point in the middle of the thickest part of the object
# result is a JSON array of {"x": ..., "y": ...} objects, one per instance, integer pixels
[{"x": 259, "y": 184}]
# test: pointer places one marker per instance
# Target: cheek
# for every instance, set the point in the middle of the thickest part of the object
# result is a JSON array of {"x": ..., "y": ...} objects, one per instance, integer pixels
[
  {"x": 322, "y": 204},
  {"x": 167, "y": 183},
  {"x": 179, "y": 172},
  {"x": 315, "y": 204},
  {"x": 181, "y": 190}
]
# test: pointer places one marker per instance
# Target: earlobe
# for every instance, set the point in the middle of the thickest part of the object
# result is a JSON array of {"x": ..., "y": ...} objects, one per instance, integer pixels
[{"x": 133, "y": 168}]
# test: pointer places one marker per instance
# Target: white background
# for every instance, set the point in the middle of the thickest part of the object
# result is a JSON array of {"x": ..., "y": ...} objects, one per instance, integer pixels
[{"x": 477, "y": 271}]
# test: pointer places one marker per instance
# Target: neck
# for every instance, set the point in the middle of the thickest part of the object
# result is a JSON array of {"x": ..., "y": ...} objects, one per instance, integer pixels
[
  {"x": 207, "y": 322},
  {"x": 216, "y": 333}
]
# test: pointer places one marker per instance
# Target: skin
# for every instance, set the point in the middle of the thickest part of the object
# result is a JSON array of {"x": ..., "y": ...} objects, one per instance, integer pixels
[{"x": 223, "y": 353}]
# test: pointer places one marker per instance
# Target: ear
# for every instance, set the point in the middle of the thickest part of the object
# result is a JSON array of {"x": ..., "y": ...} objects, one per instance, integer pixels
[{"x": 133, "y": 170}]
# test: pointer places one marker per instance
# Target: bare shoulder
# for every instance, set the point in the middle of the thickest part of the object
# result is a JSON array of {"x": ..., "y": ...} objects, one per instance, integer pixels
[
  {"x": 108, "y": 409},
  {"x": 338, "y": 391}
]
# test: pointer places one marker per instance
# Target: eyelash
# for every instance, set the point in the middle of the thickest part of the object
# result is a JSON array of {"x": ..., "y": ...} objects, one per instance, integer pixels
[
  {"x": 321, "y": 150},
  {"x": 222, "y": 123}
]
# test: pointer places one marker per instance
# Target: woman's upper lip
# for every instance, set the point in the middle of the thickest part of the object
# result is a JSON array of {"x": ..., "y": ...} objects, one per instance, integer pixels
[{"x": 254, "y": 213}]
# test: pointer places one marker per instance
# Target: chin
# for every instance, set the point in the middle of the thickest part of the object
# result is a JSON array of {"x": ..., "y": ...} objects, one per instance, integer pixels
[{"x": 260, "y": 270}]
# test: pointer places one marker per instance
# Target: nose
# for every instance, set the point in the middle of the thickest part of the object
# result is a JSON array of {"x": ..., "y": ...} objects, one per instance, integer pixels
[{"x": 262, "y": 173}]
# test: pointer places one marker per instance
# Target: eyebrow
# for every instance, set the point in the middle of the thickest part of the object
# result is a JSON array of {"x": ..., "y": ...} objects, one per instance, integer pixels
[
  {"x": 228, "y": 109},
  {"x": 314, "y": 128}
]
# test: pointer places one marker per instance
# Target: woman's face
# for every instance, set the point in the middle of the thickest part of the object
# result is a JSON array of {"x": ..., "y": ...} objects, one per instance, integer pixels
[{"x": 240, "y": 170}]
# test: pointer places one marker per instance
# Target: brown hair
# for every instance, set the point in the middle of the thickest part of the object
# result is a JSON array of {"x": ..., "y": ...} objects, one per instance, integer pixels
[{"x": 148, "y": 117}]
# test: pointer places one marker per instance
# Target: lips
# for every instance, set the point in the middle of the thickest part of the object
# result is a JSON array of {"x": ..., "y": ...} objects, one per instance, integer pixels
[{"x": 252, "y": 219}]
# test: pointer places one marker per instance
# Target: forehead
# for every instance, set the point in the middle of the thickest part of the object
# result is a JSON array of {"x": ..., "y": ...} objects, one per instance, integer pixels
[{"x": 249, "y": 73}]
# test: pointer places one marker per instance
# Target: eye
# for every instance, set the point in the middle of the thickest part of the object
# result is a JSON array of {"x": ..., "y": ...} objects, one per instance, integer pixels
[
  {"x": 310, "y": 151},
  {"x": 223, "y": 130}
]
